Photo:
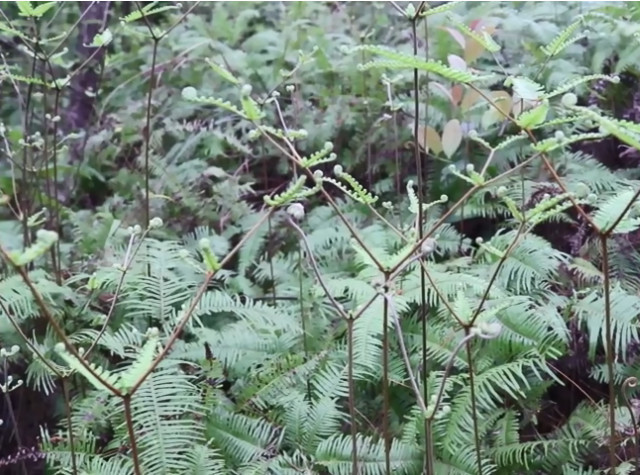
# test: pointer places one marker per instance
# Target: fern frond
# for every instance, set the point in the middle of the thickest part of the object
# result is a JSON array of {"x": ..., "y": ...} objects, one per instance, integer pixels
[
  {"x": 223, "y": 72},
  {"x": 240, "y": 438},
  {"x": 191, "y": 95},
  {"x": 623, "y": 308},
  {"x": 581, "y": 80},
  {"x": 167, "y": 409},
  {"x": 482, "y": 38},
  {"x": 396, "y": 60},
  {"x": 625, "y": 131},
  {"x": 427, "y": 12},
  {"x": 563, "y": 39},
  {"x": 553, "y": 143},
  {"x": 334, "y": 454},
  {"x": 146, "y": 11},
  {"x": 612, "y": 209},
  {"x": 510, "y": 141},
  {"x": 99, "y": 371},
  {"x": 525, "y": 88}
]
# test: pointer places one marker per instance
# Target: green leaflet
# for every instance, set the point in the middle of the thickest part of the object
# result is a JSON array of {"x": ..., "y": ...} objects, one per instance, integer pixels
[
  {"x": 533, "y": 117},
  {"x": 223, "y": 72},
  {"x": 525, "y": 88}
]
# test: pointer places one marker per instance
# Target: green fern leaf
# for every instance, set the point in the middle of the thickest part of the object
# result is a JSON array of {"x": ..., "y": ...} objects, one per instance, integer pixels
[
  {"x": 141, "y": 364},
  {"x": 612, "y": 209},
  {"x": 74, "y": 364},
  {"x": 581, "y": 80},
  {"x": 525, "y": 88},
  {"x": 396, "y": 60},
  {"x": 482, "y": 38},
  {"x": 563, "y": 39},
  {"x": 624, "y": 131},
  {"x": 427, "y": 12},
  {"x": 146, "y": 11},
  {"x": 223, "y": 72}
]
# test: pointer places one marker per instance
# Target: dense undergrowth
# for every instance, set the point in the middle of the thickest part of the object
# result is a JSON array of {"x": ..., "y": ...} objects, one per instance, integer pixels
[{"x": 319, "y": 238}]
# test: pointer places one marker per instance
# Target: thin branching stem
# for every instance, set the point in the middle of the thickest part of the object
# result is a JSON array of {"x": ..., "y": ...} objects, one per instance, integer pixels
[
  {"x": 128, "y": 259},
  {"x": 610, "y": 352},
  {"x": 67, "y": 409},
  {"x": 51, "y": 320},
  {"x": 186, "y": 316},
  {"x": 474, "y": 408},
  {"x": 12, "y": 415},
  {"x": 352, "y": 398},
  {"x": 128, "y": 415},
  {"x": 385, "y": 385},
  {"x": 303, "y": 317},
  {"x": 147, "y": 133}
]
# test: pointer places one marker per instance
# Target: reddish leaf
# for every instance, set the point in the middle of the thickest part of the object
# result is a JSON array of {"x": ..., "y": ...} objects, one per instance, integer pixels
[{"x": 456, "y": 94}]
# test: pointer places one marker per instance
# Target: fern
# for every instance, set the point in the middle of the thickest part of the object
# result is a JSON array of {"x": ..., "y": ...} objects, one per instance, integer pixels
[
  {"x": 334, "y": 454},
  {"x": 563, "y": 39},
  {"x": 396, "y": 60}
]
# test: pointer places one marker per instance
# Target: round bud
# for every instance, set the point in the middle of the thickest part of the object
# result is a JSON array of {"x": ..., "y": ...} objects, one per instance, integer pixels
[
  {"x": 569, "y": 99},
  {"x": 296, "y": 211},
  {"x": 428, "y": 246},
  {"x": 489, "y": 329},
  {"x": 559, "y": 135},
  {"x": 338, "y": 170},
  {"x": 190, "y": 93},
  {"x": 155, "y": 223},
  {"x": 246, "y": 90},
  {"x": 582, "y": 190}
]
